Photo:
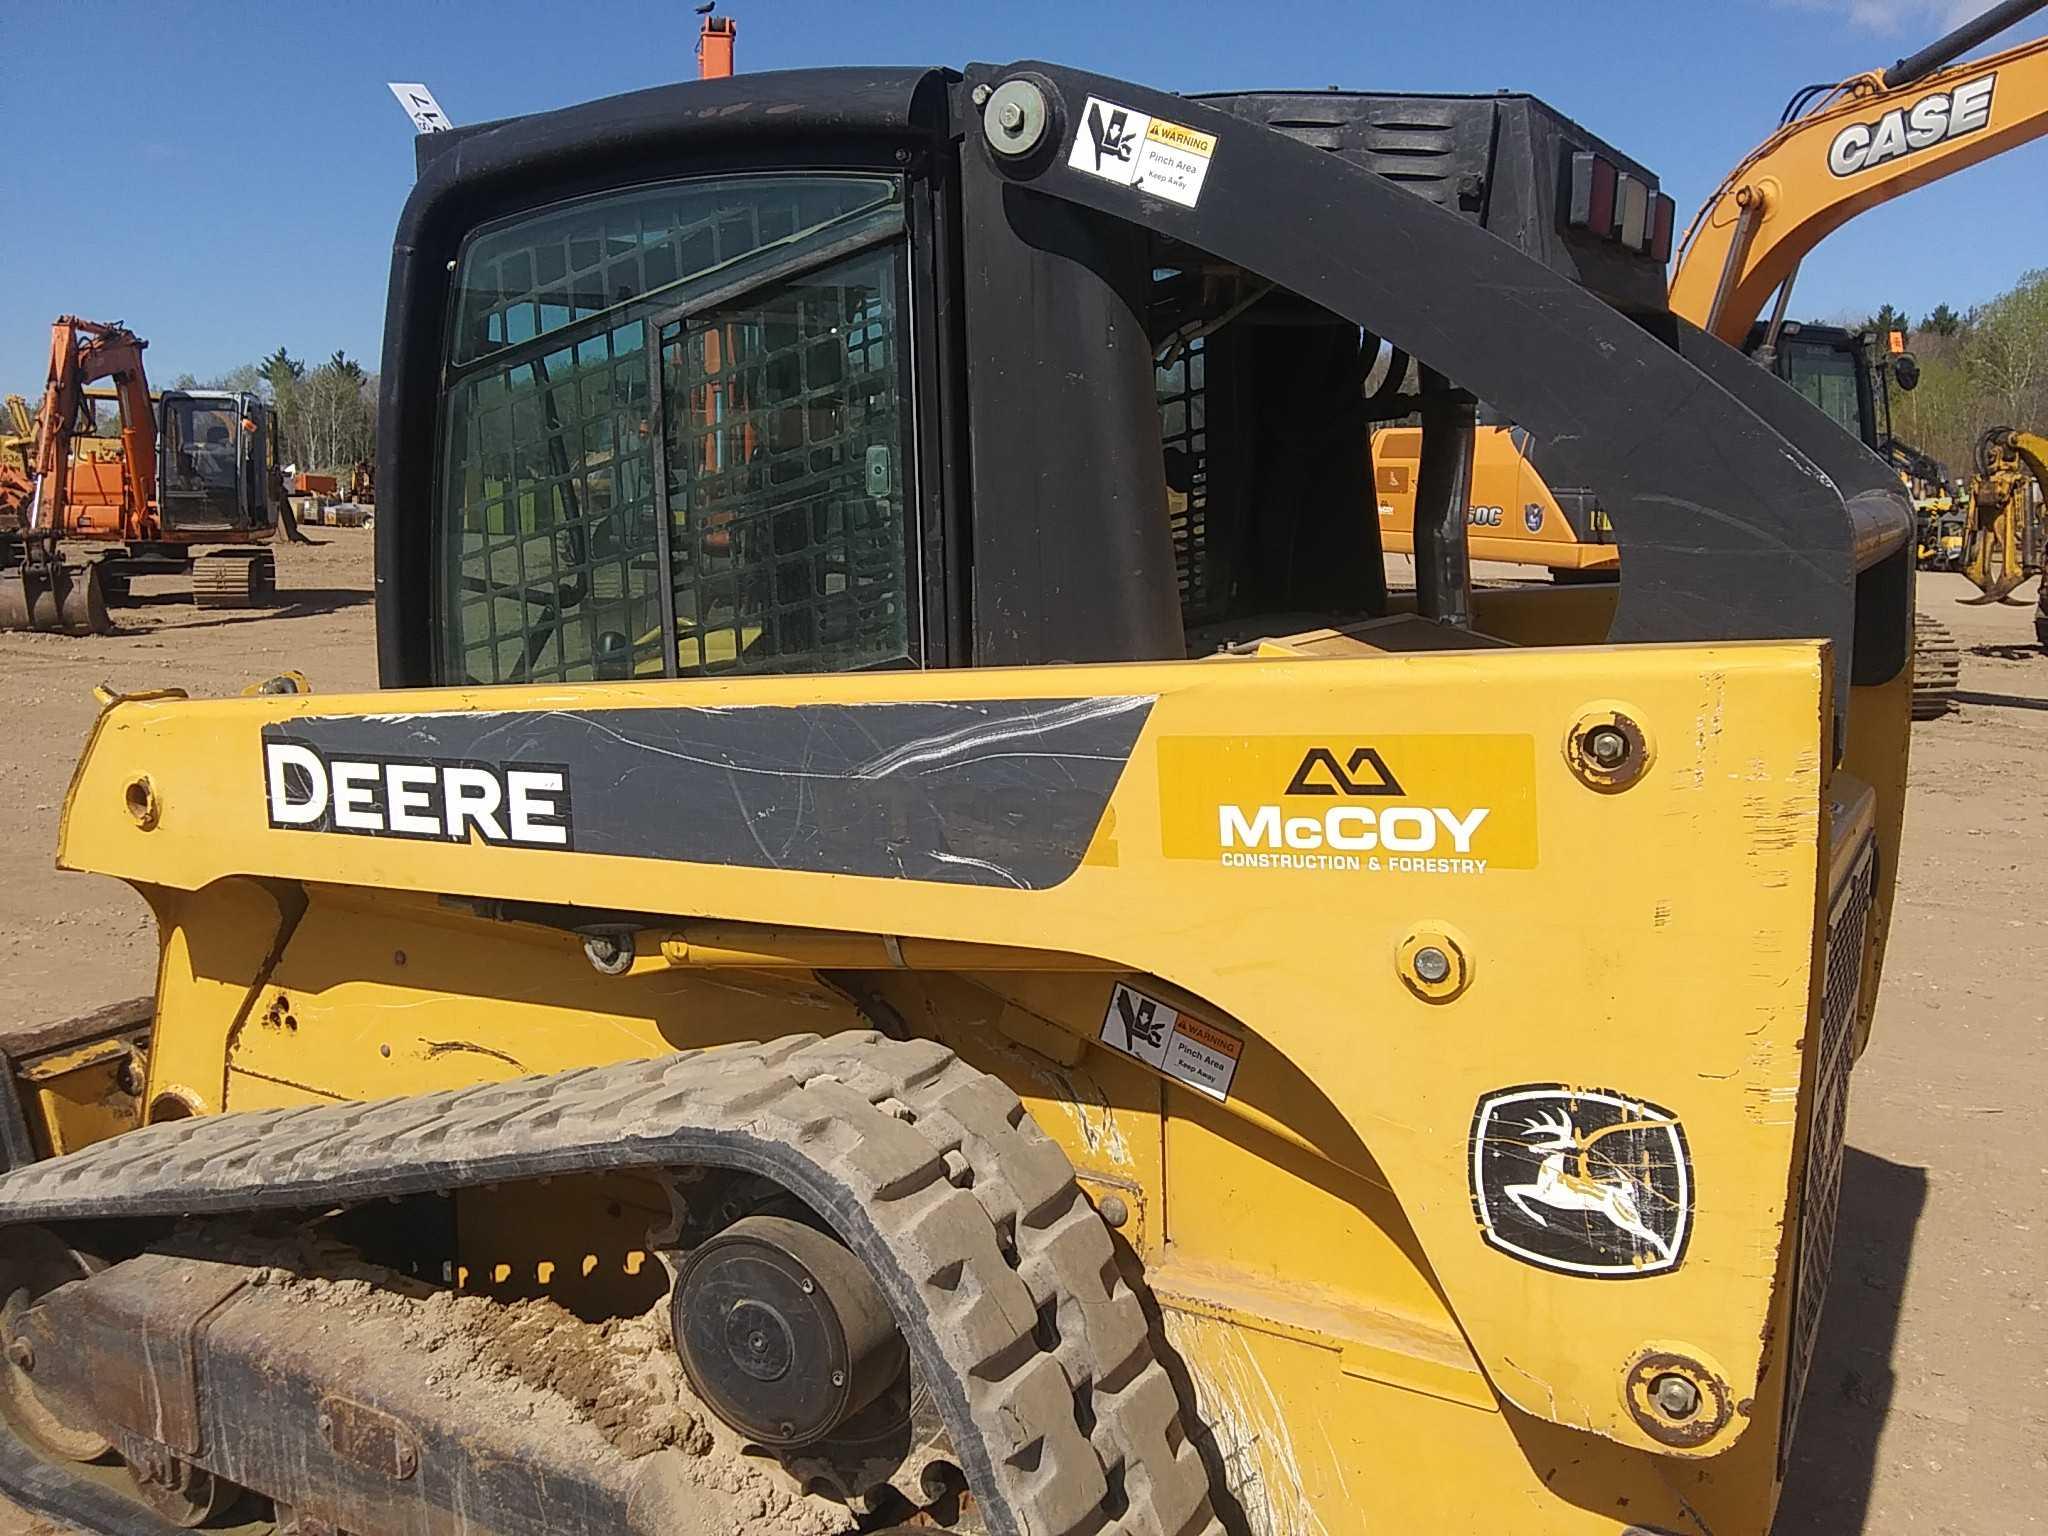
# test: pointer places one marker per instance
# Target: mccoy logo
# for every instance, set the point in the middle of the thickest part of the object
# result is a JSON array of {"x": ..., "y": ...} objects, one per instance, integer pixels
[
  {"x": 1933, "y": 119},
  {"x": 1437, "y": 805},
  {"x": 520, "y": 806}
]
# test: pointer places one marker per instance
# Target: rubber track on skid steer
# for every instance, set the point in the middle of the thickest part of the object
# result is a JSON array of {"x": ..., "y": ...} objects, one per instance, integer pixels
[{"x": 1000, "y": 1272}]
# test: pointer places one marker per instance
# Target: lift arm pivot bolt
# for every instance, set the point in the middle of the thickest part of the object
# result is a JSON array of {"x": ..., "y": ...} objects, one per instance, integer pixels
[{"x": 1675, "y": 1396}]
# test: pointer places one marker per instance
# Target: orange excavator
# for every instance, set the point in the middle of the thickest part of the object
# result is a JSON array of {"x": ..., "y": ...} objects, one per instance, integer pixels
[
  {"x": 1840, "y": 149},
  {"x": 193, "y": 470}
]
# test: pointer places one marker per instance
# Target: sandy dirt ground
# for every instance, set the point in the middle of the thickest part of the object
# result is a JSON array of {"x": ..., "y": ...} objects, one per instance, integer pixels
[
  {"x": 69, "y": 943},
  {"x": 1928, "y": 1409}
]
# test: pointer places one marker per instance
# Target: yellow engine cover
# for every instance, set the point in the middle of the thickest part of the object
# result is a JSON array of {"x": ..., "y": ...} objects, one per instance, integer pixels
[{"x": 1459, "y": 1075}]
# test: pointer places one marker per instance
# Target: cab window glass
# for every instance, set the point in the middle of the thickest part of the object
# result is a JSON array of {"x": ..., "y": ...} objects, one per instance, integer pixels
[
  {"x": 554, "y": 563},
  {"x": 786, "y": 431},
  {"x": 1827, "y": 377}
]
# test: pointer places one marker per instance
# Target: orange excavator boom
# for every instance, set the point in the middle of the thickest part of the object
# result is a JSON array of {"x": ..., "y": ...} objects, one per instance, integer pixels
[{"x": 82, "y": 352}]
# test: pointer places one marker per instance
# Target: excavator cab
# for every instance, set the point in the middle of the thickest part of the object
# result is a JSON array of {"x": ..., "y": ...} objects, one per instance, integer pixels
[
  {"x": 212, "y": 461},
  {"x": 931, "y": 945}
]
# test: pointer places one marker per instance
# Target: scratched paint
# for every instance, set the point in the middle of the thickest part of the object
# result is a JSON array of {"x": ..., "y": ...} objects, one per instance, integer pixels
[
  {"x": 1245, "y": 1425},
  {"x": 1088, "y": 1107},
  {"x": 1707, "y": 728},
  {"x": 992, "y": 792}
]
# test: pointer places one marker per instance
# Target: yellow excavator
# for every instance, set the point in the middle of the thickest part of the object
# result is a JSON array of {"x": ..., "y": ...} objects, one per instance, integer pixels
[
  {"x": 17, "y": 460},
  {"x": 859, "y": 977},
  {"x": 2003, "y": 544}
]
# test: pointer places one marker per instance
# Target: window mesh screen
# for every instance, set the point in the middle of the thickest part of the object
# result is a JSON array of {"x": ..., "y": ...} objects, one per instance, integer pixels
[
  {"x": 551, "y": 471},
  {"x": 551, "y": 540},
  {"x": 785, "y": 485},
  {"x": 574, "y": 263}
]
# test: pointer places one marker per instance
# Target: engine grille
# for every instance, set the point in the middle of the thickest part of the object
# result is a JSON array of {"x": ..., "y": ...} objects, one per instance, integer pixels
[{"x": 1841, "y": 993}]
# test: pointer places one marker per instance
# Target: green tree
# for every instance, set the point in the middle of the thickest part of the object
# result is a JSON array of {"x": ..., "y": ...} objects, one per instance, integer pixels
[
  {"x": 2008, "y": 351},
  {"x": 246, "y": 378},
  {"x": 1887, "y": 320},
  {"x": 1942, "y": 321},
  {"x": 285, "y": 375},
  {"x": 338, "y": 411},
  {"x": 281, "y": 368}
]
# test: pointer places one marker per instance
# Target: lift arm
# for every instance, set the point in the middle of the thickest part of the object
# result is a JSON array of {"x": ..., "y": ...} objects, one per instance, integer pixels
[
  {"x": 83, "y": 352},
  {"x": 1873, "y": 137}
]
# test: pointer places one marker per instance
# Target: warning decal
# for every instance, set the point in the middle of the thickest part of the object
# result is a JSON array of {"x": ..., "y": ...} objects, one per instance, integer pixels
[
  {"x": 1135, "y": 149},
  {"x": 1200, "y": 1055}
]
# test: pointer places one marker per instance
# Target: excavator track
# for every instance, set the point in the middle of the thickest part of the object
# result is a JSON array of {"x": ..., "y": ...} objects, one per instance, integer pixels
[
  {"x": 234, "y": 578},
  {"x": 999, "y": 1274},
  {"x": 1937, "y": 667}
]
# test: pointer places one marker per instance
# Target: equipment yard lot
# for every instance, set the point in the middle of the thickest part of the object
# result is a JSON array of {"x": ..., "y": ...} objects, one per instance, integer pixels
[{"x": 1937, "y": 1291}]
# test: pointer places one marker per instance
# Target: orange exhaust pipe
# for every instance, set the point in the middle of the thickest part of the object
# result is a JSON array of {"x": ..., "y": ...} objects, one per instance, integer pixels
[{"x": 714, "y": 46}]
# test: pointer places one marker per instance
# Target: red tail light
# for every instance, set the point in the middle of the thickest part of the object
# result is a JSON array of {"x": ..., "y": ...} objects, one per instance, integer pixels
[{"x": 1660, "y": 228}]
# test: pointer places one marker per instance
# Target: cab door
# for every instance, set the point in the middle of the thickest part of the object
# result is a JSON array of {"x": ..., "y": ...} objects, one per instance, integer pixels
[{"x": 202, "y": 463}]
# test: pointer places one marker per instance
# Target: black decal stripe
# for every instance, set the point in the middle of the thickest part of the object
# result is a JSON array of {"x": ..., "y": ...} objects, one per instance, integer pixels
[{"x": 996, "y": 792}]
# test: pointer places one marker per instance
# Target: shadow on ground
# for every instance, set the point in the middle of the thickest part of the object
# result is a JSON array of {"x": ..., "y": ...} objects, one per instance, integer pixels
[
  {"x": 293, "y": 603},
  {"x": 1850, "y": 1387},
  {"x": 1999, "y": 700},
  {"x": 2003, "y": 652}
]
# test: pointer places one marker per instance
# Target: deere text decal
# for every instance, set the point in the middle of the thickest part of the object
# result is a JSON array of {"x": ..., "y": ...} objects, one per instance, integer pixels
[
  {"x": 1427, "y": 805},
  {"x": 523, "y": 805}
]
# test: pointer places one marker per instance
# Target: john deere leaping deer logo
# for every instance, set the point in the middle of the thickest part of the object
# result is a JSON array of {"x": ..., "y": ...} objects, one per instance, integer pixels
[{"x": 1582, "y": 1181}]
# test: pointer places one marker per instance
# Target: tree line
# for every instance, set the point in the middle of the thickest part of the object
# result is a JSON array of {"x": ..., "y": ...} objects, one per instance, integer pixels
[
  {"x": 1987, "y": 367},
  {"x": 326, "y": 413}
]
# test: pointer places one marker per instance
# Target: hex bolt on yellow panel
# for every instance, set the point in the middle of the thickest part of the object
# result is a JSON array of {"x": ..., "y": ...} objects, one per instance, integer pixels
[
  {"x": 1678, "y": 1399},
  {"x": 1607, "y": 748},
  {"x": 1433, "y": 963}
]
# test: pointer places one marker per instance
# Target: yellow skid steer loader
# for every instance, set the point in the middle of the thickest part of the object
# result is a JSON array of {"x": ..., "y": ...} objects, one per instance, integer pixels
[{"x": 873, "y": 970}]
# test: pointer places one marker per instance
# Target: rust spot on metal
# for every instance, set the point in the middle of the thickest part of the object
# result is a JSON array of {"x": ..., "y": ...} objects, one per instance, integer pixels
[
  {"x": 1607, "y": 750},
  {"x": 1711, "y": 1415},
  {"x": 369, "y": 1438}
]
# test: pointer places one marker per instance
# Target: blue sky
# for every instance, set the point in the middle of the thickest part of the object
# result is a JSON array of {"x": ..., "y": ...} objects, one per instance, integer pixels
[{"x": 244, "y": 193}]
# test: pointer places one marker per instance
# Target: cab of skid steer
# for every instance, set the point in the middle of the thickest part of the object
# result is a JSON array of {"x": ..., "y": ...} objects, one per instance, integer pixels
[
  {"x": 841, "y": 398},
  {"x": 826, "y": 392}
]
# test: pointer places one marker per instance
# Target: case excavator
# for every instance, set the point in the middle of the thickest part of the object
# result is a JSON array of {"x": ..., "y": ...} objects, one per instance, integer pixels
[
  {"x": 1840, "y": 149},
  {"x": 866, "y": 973}
]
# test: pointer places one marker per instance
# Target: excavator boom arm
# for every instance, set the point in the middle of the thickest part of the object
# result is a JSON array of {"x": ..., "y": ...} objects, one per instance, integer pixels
[
  {"x": 83, "y": 352},
  {"x": 1871, "y": 142}
]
